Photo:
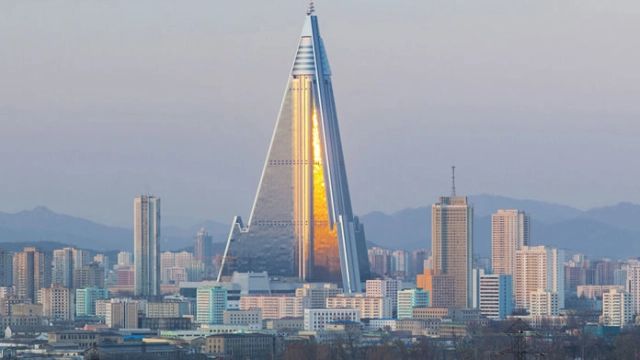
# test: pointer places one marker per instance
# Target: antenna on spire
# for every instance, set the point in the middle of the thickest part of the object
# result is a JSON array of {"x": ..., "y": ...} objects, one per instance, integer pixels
[
  {"x": 453, "y": 181},
  {"x": 311, "y": 9}
]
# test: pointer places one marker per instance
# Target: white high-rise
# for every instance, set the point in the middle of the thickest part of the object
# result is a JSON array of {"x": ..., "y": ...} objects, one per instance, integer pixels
[
  {"x": 538, "y": 268},
  {"x": 617, "y": 308},
  {"x": 509, "y": 233},
  {"x": 633, "y": 285},
  {"x": 146, "y": 245},
  {"x": 543, "y": 303}
]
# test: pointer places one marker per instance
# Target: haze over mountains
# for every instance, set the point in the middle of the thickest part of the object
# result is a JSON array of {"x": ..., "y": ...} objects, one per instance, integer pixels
[{"x": 611, "y": 231}]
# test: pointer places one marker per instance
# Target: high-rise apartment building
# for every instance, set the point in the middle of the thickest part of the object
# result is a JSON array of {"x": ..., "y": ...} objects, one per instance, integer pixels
[
  {"x": 543, "y": 303},
  {"x": 57, "y": 302},
  {"x": 496, "y": 296},
  {"x": 617, "y": 308},
  {"x": 452, "y": 245},
  {"x": 90, "y": 275},
  {"x": 31, "y": 272},
  {"x": 386, "y": 288},
  {"x": 509, "y": 233},
  {"x": 314, "y": 295},
  {"x": 125, "y": 258},
  {"x": 62, "y": 272},
  {"x": 86, "y": 300},
  {"x": 146, "y": 245},
  {"x": 408, "y": 299},
  {"x": 274, "y": 306},
  {"x": 121, "y": 313},
  {"x": 6, "y": 269},
  {"x": 302, "y": 223},
  {"x": 633, "y": 284},
  {"x": 211, "y": 302},
  {"x": 538, "y": 268}
]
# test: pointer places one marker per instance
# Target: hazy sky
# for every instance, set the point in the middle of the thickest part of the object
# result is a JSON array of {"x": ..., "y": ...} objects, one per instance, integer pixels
[{"x": 101, "y": 100}]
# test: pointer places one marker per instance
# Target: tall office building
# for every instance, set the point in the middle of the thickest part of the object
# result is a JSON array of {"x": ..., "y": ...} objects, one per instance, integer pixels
[
  {"x": 31, "y": 272},
  {"x": 146, "y": 245},
  {"x": 538, "y": 268},
  {"x": 203, "y": 251},
  {"x": 302, "y": 223},
  {"x": 211, "y": 302},
  {"x": 509, "y": 233},
  {"x": 452, "y": 245}
]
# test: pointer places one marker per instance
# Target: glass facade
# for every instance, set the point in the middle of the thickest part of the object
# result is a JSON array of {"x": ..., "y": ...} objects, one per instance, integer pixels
[{"x": 301, "y": 224}]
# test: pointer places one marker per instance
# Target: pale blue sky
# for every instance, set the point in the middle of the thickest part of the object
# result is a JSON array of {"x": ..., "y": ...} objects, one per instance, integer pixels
[{"x": 101, "y": 100}]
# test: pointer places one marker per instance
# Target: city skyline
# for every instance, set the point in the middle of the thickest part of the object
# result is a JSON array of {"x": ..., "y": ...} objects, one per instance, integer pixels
[{"x": 515, "y": 104}]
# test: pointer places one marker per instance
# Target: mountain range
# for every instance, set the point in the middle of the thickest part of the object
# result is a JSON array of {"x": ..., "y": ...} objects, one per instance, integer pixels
[{"x": 611, "y": 231}]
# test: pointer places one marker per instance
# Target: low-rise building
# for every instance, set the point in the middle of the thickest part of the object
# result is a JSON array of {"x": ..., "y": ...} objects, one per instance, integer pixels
[
  {"x": 273, "y": 306},
  {"x": 370, "y": 307},
  {"x": 243, "y": 346},
  {"x": 243, "y": 317},
  {"x": 317, "y": 319}
]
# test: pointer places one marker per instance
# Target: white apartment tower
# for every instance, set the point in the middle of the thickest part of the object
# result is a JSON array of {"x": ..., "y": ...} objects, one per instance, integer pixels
[
  {"x": 146, "y": 245},
  {"x": 543, "y": 303},
  {"x": 538, "y": 268},
  {"x": 617, "y": 308},
  {"x": 509, "y": 233}
]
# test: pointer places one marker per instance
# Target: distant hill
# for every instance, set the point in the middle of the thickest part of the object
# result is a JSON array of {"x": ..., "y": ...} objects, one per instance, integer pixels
[{"x": 612, "y": 231}]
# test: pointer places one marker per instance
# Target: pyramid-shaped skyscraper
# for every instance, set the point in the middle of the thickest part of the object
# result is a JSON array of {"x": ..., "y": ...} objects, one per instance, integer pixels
[{"x": 302, "y": 224}]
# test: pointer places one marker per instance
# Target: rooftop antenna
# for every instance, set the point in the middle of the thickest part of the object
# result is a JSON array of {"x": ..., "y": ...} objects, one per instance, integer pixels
[
  {"x": 453, "y": 181},
  {"x": 311, "y": 9}
]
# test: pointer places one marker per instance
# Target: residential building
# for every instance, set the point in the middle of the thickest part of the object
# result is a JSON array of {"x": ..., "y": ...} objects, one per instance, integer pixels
[
  {"x": 121, "y": 313},
  {"x": 243, "y": 317},
  {"x": 538, "y": 268},
  {"x": 543, "y": 303},
  {"x": 314, "y": 295},
  {"x": 370, "y": 307},
  {"x": 88, "y": 275},
  {"x": 317, "y": 319},
  {"x": 510, "y": 231},
  {"x": 273, "y": 306},
  {"x": 408, "y": 299},
  {"x": 211, "y": 302},
  {"x": 617, "y": 308},
  {"x": 31, "y": 272},
  {"x": 243, "y": 346},
  {"x": 57, "y": 302},
  {"x": 386, "y": 288},
  {"x": 86, "y": 300}
]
